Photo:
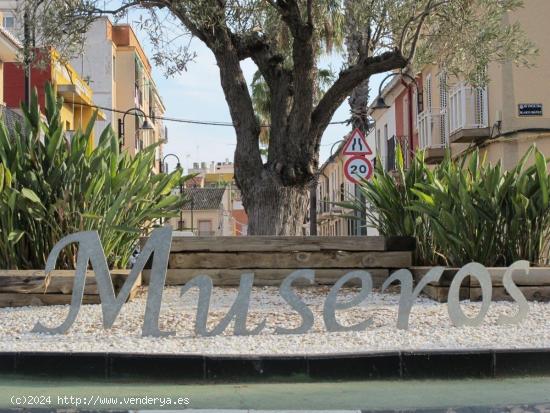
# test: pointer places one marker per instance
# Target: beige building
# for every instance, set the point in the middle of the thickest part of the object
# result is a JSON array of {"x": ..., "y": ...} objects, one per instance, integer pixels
[
  {"x": 136, "y": 93},
  {"x": 208, "y": 212},
  {"x": 220, "y": 175},
  {"x": 502, "y": 119},
  {"x": 333, "y": 187},
  {"x": 438, "y": 112},
  {"x": 119, "y": 72}
]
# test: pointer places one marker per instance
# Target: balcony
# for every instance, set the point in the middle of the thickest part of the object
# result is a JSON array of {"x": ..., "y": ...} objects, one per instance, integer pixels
[
  {"x": 433, "y": 135},
  {"x": 327, "y": 209},
  {"x": 468, "y": 114}
]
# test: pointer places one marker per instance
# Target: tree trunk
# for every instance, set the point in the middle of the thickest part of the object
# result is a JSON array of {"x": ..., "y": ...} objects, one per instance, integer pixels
[{"x": 274, "y": 209}]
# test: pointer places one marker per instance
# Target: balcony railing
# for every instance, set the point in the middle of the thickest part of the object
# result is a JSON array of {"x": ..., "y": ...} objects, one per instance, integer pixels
[
  {"x": 433, "y": 129},
  {"x": 467, "y": 108}
]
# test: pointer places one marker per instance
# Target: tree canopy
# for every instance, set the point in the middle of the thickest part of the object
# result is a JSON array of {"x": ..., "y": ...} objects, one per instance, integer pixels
[{"x": 285, "y": 39}]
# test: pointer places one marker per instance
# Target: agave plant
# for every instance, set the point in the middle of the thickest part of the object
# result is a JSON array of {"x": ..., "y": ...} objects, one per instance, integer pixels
[
  {"x": 52, "y": 185},
  {"x": 467, "y": 210},
  {"x": 389, "y": 195}
]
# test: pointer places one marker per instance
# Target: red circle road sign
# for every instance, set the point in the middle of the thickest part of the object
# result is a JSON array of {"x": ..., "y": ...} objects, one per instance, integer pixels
[{"x": 358, "y": 168}]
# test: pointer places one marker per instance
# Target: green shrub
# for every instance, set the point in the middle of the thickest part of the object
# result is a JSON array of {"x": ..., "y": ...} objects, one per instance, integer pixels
[
  {"x": 464, "y": 211},
  {"x": 52, "y": 185}
]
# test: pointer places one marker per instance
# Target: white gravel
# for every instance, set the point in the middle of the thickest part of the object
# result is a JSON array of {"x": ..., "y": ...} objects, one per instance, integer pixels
[{"x": 430, "y": 327}]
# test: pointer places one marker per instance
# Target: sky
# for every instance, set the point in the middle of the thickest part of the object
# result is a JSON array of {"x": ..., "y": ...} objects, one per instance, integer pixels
[{"x": 197, "y": 94}]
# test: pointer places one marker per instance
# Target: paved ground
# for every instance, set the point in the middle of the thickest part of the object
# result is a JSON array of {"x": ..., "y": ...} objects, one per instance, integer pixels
[{"x": 524, "y": 394}]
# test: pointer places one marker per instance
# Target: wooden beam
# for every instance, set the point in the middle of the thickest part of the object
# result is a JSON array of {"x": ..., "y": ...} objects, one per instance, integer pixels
[
  {"x": 263, "y": 277},
  {"x": 500, "y": 294},
  {"x": 22, "y": 300},
  {"x": 538, "y": 276},
  {"x": 275, "y": 244},
  {"x": 279, "y": 260},
  {"x": 61, "y": 282}
]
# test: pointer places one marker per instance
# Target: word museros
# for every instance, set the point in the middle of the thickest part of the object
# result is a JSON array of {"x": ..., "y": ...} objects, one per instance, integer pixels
[{"x": 90, "y": 253}]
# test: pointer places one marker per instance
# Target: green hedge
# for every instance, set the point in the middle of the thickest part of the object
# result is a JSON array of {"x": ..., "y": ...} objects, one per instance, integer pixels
[{"x": 463, "y": 211}]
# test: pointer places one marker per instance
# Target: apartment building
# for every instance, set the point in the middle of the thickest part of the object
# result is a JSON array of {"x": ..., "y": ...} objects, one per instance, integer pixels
[
  {"x": 212, "y": 211},
  {"x": 502, "y": 119},
  {"x": 332, "y": 188},
  {"x": 9, "y": 49},
  {"x": 211, "y": 175},
  {"x": 120, "y": 74},
  {"x": 77, "y": 109},
  {"x": 232, "y": 218}
]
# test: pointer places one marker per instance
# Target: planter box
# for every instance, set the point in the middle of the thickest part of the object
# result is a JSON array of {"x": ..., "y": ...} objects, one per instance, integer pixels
[
  {"x": 535, "y": 287},
  {"x": 20, "y": 288},
  {"x": 271, "y": 259}
]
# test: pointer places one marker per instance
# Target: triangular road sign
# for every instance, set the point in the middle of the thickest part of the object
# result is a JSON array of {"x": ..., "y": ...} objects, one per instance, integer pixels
[{"x": 357, "y": 144}]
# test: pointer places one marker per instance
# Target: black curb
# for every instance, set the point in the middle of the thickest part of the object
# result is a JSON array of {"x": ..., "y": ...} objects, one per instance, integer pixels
[{"x": 196, "y": 368}]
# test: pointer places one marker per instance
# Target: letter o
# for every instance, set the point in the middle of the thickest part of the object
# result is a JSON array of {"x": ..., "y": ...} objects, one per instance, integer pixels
[{"x": 455, "y": 312}]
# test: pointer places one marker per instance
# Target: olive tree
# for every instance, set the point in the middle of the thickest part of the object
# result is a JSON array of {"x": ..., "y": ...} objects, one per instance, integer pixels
[{"x": 284, "y": 38}]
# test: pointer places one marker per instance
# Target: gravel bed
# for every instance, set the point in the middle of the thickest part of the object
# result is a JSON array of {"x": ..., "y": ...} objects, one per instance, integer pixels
[{"x": 430, "y": 326}]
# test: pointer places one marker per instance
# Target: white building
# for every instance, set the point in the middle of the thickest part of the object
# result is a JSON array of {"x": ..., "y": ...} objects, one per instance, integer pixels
[{"x": 97, "y": 65}]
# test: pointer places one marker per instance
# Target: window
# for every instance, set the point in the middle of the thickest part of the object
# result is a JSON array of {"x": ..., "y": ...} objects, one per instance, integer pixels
[
  {"x": 8, "y": 22},
  {"x": 114, "y": 67},
  {"x": 378, "y": 143},
  {"x": 205, "y": 228}
]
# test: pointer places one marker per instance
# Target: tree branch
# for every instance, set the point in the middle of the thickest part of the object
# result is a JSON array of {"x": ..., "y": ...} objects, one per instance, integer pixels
[
  {"x": 303, "y": 74},
  {"x": 346, "y": 82}
]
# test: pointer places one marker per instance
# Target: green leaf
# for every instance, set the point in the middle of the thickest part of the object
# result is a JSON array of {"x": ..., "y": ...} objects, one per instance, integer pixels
[
  {"x": 15, "y": 236},
  {"x": 542, "y": 173},
  {"x": 30, "y": 195}
]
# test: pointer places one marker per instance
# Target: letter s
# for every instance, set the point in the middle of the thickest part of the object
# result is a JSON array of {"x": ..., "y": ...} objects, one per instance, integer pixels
[
  {"x": 296, "y": 303},
  {"x": 515, "y": 293}
]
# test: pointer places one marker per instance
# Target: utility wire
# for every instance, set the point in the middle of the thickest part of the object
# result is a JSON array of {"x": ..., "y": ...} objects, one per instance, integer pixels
[{"x": 191, "y": 121}]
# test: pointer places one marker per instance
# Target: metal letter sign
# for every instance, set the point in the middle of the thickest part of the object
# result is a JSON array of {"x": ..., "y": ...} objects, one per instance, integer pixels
[
  {"x": 357, "y": 169},
  {"x": 90, "y": 252},
  {"x": 357, "y": 144}
]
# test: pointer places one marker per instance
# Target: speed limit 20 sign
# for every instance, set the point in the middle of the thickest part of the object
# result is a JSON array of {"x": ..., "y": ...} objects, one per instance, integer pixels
[{"x": 358, "y": 168}]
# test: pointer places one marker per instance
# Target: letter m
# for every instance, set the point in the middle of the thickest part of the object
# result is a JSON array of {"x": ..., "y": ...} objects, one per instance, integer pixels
[{"x": 90, "y": 252}]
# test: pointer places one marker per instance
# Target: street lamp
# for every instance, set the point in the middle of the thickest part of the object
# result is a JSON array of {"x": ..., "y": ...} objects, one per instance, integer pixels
[
  {"x": 380, "y": 103},
  {"x": 146, "y": 125},
  {"x": 178, "y": 166}
]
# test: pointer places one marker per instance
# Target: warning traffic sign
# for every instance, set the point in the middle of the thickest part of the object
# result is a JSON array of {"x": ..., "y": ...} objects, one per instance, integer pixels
[
  {"x": 358, "y": 168},
  {"x": 357, "y": 144}
]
